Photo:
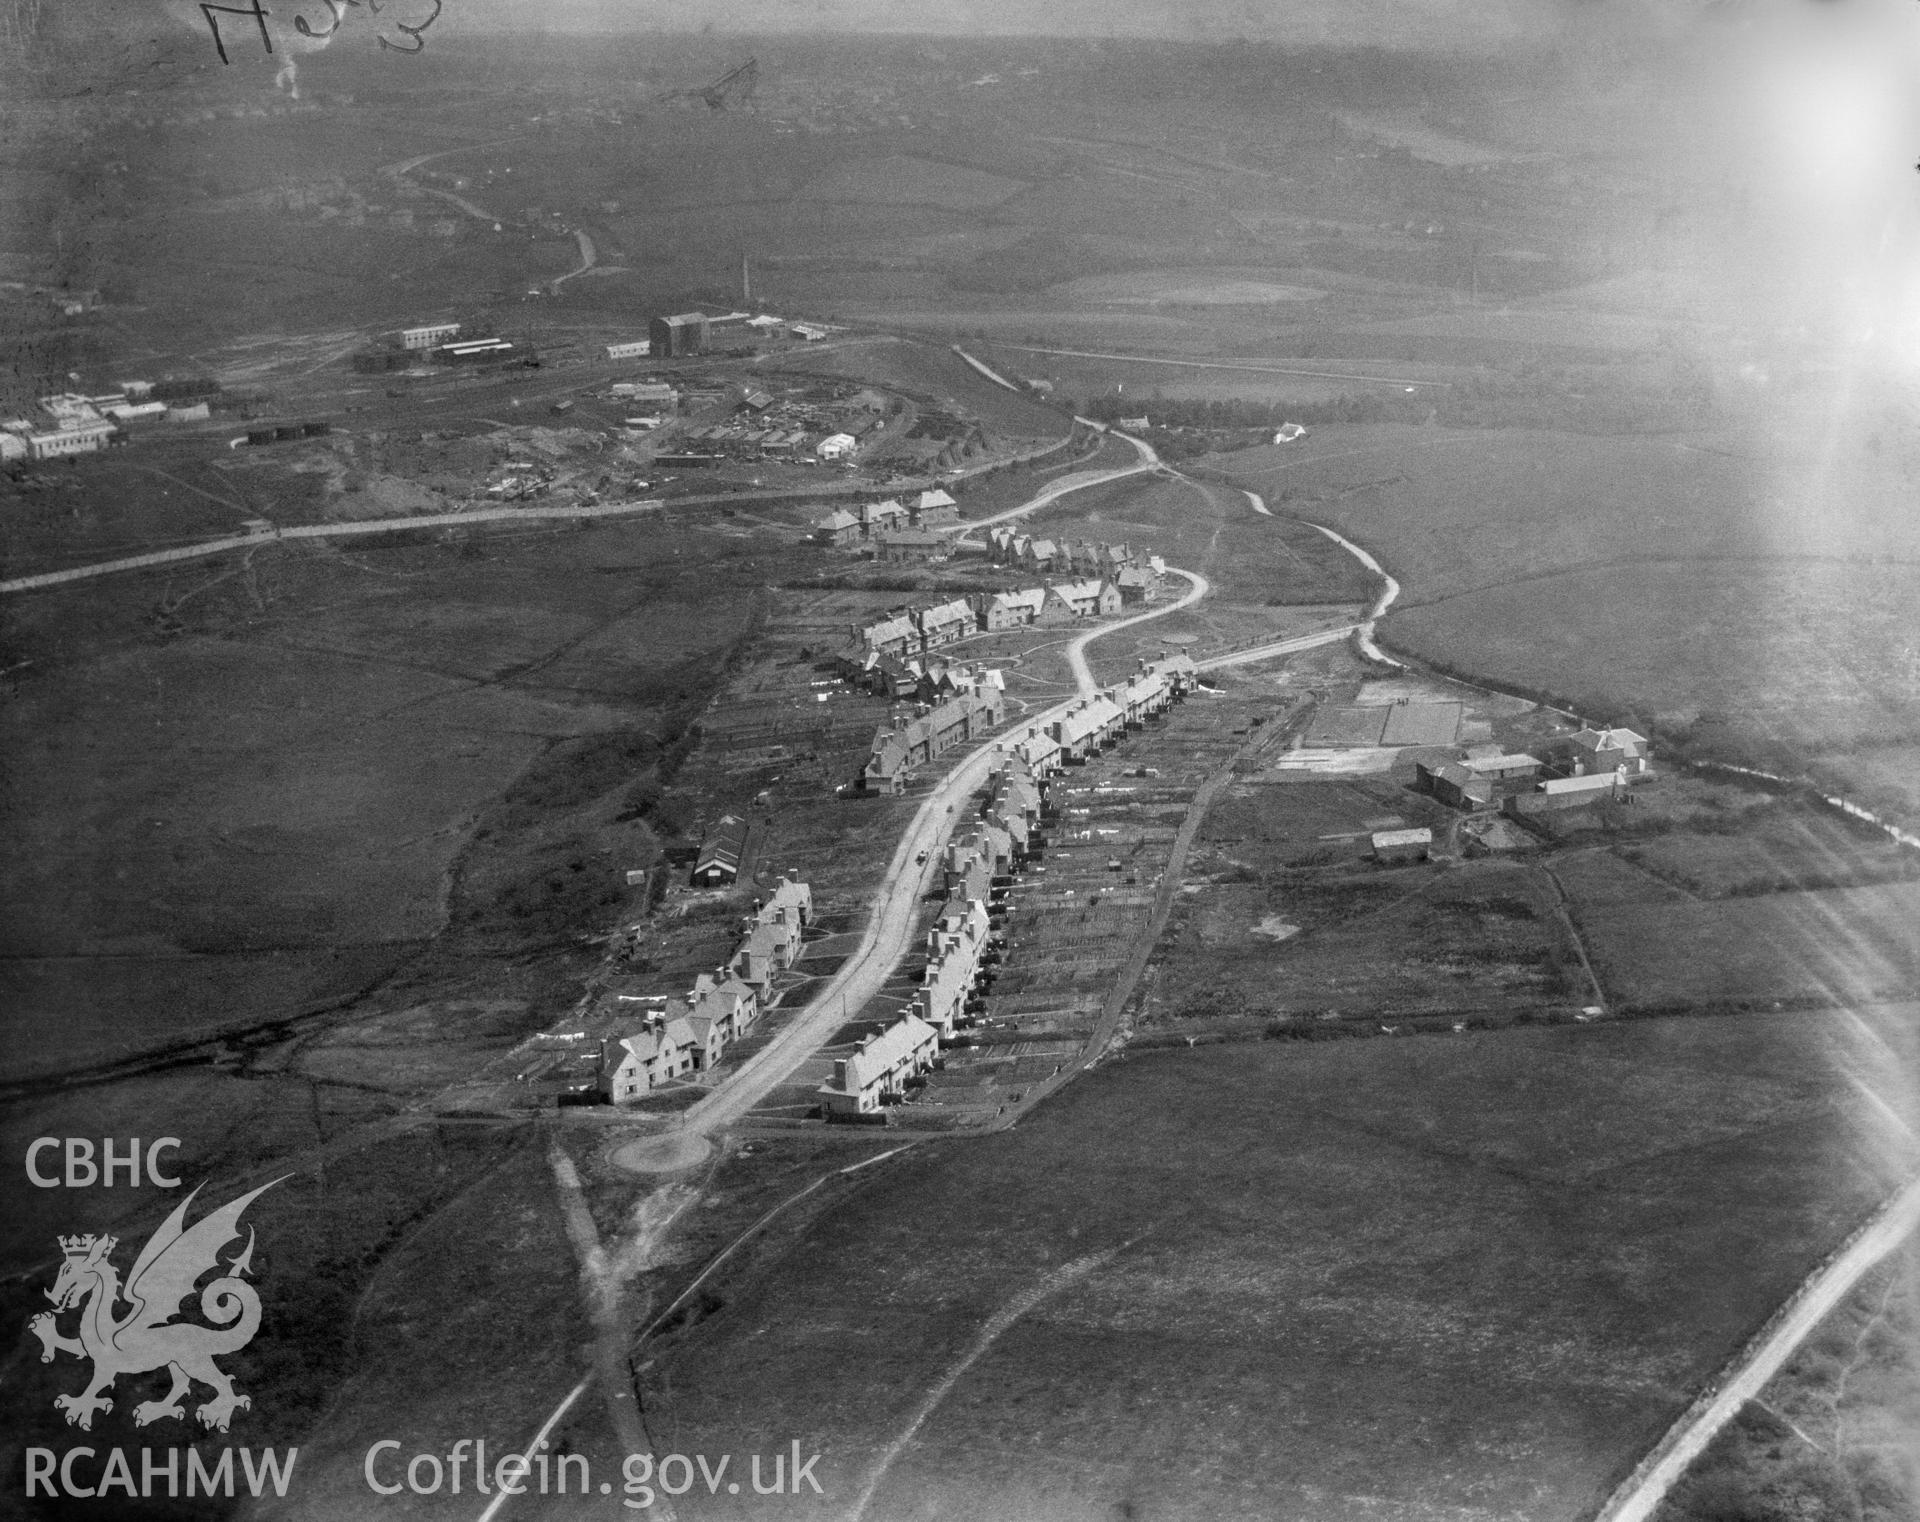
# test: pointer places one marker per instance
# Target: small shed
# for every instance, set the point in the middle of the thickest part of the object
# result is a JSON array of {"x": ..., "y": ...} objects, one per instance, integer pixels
[{"x": 1401, "y": 845}]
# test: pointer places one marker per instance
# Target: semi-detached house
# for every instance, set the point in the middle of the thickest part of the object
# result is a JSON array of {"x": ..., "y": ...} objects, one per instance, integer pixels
[{"x": 878, "y": 1072}]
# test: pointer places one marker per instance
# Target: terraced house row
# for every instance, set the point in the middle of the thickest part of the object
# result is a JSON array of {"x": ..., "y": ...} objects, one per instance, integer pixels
[
  {"x": 1071, "y": 557},
  {"x": 906, "y": 741},
  {"x": 659, "y": 1038}
]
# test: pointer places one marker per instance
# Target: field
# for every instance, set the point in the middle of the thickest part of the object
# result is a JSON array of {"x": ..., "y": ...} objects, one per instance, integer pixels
[
  {"x": 1515, "y": 1245},
  {"x": 1578, "y": 566}
]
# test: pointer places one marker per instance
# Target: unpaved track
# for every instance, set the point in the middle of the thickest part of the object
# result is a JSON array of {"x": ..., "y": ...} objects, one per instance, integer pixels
[{"x": 1640, "y": 1496}]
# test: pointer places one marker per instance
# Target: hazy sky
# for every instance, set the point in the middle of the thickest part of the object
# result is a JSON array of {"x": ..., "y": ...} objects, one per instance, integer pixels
[{"x": 1405, "y": 23}]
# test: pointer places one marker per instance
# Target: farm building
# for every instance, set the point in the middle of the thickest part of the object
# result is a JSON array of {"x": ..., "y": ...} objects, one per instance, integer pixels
[
  {"x": 1401, "y": 845},
  {"x": 1557, "y": 793},
  {"x": 877, "y": 1073},
  {"x": 1502, "y": 768},
  {"x": 721, "y": 852},
  {"x": 1453, "y": 784}
]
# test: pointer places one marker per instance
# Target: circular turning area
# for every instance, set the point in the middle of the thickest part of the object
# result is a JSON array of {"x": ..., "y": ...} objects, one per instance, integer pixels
[{"x": 663, "y": 1154}]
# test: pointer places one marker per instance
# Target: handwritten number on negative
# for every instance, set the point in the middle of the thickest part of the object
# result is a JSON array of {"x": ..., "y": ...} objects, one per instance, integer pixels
[
  {"x": 414, "y": 32},
  {"x": 256, "y": 10}
]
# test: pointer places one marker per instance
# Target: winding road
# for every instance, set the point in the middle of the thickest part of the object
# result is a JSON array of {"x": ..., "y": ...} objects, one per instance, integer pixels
[{"x": 897, "y": 896}]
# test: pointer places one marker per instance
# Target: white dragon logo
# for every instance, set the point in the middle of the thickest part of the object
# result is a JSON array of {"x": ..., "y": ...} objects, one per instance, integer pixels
[{"x": 148, "y": 1337}]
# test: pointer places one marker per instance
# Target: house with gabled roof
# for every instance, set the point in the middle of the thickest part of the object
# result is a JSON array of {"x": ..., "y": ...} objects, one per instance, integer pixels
[
  {"x": 882, "y": 517},
  {"x": 1087, "y": 726},
  {"x": 1011, "y": 610},
  {"x": 839, "y": 527},
  {"x": 946, "y": 622},
  {"x": 1088, "y": 598},
  {"x": 892, "y": 635},
  {"x": 789, "y": 896},
  {"x": 1604, "y": 750},
  {"x": 878, "y": 1071},
  {"x": 662, "y": 1047},
  {"x": 935, "y": 507},
  {"x": 729, "y": 999}
]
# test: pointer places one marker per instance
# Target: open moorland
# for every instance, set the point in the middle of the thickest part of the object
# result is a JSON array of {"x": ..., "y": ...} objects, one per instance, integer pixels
[
  {"x": 308, "y": 839},
  {"x": 1519, "y": 1246},
  {"x": 248, "y": 792}
]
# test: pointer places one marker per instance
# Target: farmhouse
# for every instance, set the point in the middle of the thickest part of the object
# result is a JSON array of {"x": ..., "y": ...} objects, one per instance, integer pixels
[
  {"x": 1604, "y": 750},
  {"x": 877, "y": 1073}
]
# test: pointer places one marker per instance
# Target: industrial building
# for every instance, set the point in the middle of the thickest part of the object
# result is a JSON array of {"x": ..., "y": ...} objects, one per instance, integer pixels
[
  {"x": 82, "y": 438},
  {"x": 638, "y": 348},
  {"x": 681, "y": 334},
  {"x": 428, "y": 336}
]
